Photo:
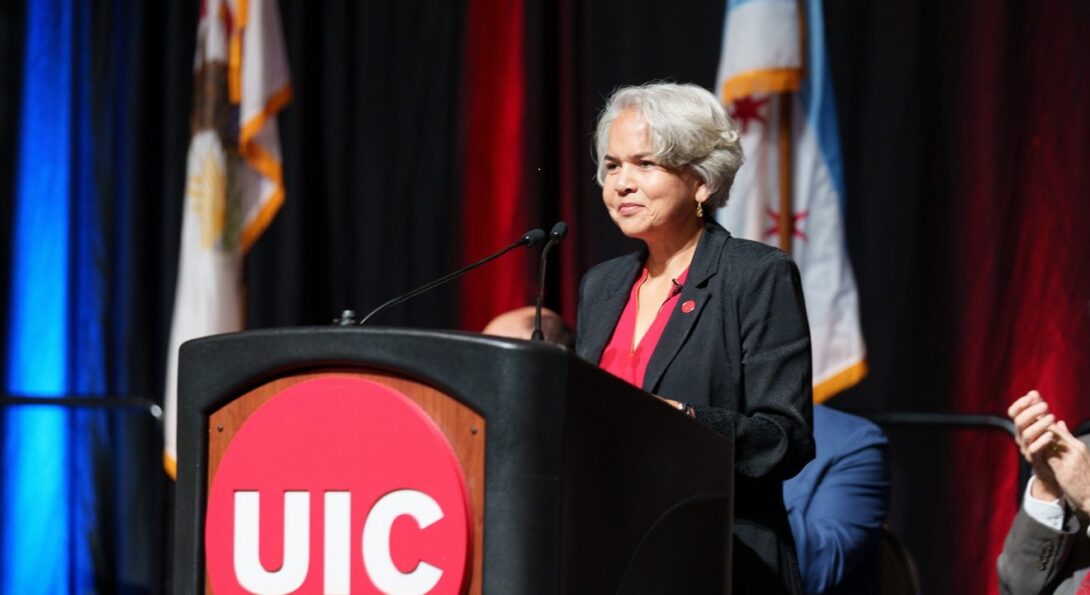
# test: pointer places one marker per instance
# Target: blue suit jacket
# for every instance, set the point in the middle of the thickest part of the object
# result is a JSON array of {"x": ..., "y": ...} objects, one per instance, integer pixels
[{"x": 836, "y": 505}]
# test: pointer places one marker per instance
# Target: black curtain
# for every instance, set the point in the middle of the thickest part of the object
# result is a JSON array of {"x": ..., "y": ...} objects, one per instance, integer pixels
[
  {"x": 139, "y": 85},
  {"x": 371, "y": 166},
  {"x": 887, "y": 63}
]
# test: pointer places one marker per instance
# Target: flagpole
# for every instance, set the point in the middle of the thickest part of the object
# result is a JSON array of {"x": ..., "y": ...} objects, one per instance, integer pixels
[{"x": 786, "y": 222}]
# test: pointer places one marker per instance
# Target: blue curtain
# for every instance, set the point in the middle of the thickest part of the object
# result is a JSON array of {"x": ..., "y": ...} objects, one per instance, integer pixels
[
  {"x": 82, "y": 492},
  {"x": 37, "y": 519}
]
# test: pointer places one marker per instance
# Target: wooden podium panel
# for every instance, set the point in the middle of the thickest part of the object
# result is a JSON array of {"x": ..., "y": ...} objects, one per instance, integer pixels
[{"x": 463, "y": 428}]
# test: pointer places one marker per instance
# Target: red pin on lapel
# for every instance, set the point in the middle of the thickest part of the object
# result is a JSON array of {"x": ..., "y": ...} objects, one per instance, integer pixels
[{"x": 688, "y": 306}]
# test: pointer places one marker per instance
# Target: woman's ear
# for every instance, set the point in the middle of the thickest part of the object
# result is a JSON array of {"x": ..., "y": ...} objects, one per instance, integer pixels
[{"x": 702, "y": 192}]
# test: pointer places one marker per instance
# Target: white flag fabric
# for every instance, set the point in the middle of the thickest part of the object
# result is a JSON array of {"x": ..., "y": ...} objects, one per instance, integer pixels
[
  {"x": 774, "y": 55},
  {"x": 234, "y": 179}
]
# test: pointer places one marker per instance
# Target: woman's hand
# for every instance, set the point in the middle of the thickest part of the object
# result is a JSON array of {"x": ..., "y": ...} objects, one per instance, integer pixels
[{"x": 682, "y": 407}]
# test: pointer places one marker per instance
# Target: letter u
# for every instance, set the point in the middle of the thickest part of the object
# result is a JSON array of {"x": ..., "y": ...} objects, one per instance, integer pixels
[{"x": 251, "y": 575}]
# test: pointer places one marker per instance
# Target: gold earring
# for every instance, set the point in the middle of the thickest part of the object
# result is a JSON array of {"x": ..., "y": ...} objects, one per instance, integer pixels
[{"x": 699, "y": 209}]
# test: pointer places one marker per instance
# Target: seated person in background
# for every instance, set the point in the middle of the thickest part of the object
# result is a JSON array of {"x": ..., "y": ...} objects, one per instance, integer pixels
[
  {"x": 836, "y": 505},
  {"x": 519, "y": 324},
  {"x": 1047, "y": 549}
]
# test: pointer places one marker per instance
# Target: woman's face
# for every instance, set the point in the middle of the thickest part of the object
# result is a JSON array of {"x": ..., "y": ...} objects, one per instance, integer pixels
[{"x": 647, "y": 200}]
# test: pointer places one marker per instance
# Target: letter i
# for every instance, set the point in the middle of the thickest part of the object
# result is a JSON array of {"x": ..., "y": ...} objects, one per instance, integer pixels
[{"x": 337, "y": 545}]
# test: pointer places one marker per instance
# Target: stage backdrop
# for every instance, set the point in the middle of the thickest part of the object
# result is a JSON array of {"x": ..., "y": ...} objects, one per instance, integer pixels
[{"x": 422, "y": 136}]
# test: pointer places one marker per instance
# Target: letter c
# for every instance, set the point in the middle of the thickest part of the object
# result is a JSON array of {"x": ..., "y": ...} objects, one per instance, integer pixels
[{"x": 376, "y": 542}]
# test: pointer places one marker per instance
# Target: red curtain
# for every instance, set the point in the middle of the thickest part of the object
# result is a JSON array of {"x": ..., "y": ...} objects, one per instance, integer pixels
[
  {"x": 1019, "y": 148},
  {"x": 493, "y": 178}
]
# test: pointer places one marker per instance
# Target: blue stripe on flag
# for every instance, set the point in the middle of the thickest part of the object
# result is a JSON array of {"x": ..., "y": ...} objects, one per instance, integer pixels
[{"x": 818, "y": 99}]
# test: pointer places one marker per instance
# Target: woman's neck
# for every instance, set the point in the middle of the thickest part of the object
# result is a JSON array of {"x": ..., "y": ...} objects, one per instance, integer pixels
[{"x": 672, "y": 256}]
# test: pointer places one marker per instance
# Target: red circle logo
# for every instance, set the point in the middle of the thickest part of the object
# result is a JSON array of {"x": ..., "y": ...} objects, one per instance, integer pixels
[{"x": 338, "y": 485}]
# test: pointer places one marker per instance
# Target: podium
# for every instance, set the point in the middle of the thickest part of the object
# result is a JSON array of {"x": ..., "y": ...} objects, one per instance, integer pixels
[{"x": 574, "y": 481}]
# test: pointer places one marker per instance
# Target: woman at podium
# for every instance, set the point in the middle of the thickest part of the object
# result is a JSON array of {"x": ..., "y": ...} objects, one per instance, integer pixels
[{"x": 713, "y": 325}]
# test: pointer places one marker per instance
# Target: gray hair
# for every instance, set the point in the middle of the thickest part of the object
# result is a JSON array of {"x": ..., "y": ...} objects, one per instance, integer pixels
[{"x": 689, "y": 128}]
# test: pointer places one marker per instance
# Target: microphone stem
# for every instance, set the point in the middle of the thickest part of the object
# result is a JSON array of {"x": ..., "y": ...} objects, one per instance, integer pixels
[
  {"x": 438, "y": 282},
  {"x": 540, "y": 303},
  {"x": 537, "y": 335}
]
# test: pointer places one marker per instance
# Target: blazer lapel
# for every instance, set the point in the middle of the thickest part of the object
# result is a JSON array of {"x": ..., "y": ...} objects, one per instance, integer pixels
[
  {"x": 608, "y": 311},
  {"x": 697, "y": 290}
]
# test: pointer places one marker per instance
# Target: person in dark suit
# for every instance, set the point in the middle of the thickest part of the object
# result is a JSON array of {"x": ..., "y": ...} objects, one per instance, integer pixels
[
  {"x": 1047, "y": 549},
  {"x": 713, "y": 325},
  {"x": 836, "y": 505}
]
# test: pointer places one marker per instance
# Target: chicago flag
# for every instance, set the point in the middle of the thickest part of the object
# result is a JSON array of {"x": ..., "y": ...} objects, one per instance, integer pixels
[{"x": 774, "y": 80}]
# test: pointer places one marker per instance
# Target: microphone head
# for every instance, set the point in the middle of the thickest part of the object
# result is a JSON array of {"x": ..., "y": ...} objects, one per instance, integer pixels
[
  {"x": 532, "y": 237},
  {"x": 558, "y": 232}
]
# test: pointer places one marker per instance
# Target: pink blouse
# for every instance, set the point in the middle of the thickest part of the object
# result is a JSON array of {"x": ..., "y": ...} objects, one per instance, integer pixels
[{"x": 620, "y": 357}]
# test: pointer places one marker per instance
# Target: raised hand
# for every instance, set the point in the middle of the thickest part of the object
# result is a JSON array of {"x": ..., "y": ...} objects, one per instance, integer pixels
[
  {"x": 1069, "y": 459},
  {"x": 1033, "y": 431}
]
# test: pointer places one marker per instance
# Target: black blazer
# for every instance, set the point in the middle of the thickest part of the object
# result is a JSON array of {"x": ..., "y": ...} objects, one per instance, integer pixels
[{"x": 741, "y": 358}]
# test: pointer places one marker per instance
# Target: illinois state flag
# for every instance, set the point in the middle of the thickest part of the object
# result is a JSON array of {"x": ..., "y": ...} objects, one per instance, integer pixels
[
  {"x": 774, "y": 80},
  {"x": 234, "y": 180}
]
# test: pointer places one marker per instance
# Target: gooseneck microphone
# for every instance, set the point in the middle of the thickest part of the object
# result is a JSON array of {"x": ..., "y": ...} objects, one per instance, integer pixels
[
  {"x": 528, "y": 239},
  {"x": 556, "y": 235}
]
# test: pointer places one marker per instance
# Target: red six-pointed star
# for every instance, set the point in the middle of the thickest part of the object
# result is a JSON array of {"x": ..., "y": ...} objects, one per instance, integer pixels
[
  {"x": 796, "y": 222},
  {"x": 747, "y": 109}
]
